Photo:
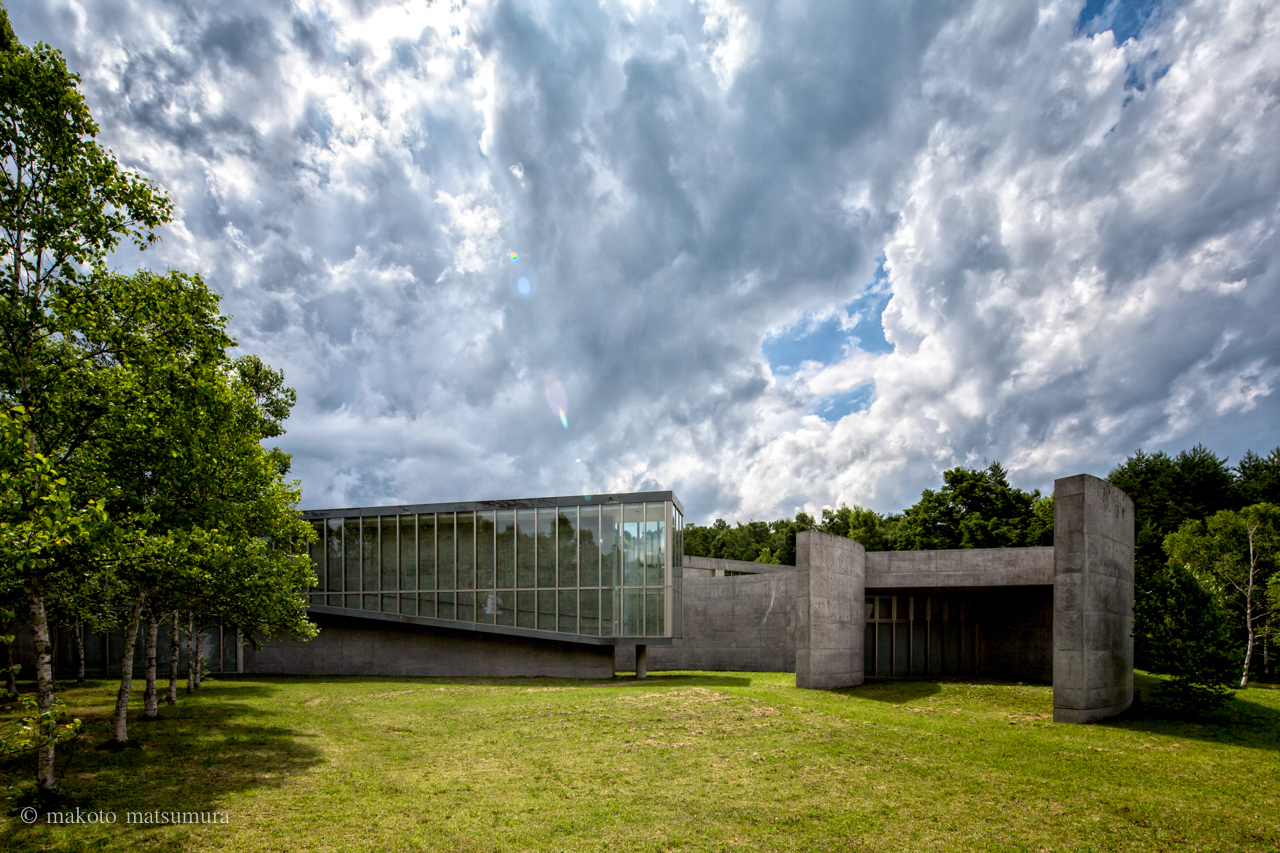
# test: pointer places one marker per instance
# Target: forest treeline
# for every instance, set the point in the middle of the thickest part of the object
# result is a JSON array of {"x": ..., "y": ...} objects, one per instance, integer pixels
[{"x": 1206, "y": 580}]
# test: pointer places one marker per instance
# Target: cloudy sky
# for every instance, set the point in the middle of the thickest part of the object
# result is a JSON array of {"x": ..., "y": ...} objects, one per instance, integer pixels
[{"x": 772, "y": 255}]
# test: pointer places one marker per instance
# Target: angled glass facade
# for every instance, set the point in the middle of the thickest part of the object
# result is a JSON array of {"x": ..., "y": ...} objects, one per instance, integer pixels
[{"x": 601, "y": 566}]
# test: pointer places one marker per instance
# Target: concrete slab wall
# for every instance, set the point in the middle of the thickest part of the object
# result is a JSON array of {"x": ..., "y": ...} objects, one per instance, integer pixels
[
  {"x": 348, "y": 646},
  {"x": 830, "y": 611},
  {"x": 732, "y": 624},
  {"x": 968, "y": 567},
  {"x": 719, "y": 567},
  {"x": 1092, "y": 600}
]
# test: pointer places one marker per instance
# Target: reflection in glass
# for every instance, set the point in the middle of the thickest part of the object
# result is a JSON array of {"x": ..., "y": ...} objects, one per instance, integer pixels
[
  {"x": 390, "y": 554},
  {"x": 589, "y": 612},
  {"x": 316, "y": 551},
  {"x": 567, "y": 536},
  {"x": 609, "y": 611},
  {"x": 427, "y": 551},
  {"x": 611, "y": 546},
  {"x": 484, "y": 551},
  {"x": 333, "y": 548},
  {"x": 526, "y": 609},
  {"x": 546, "y": 547},
  {"x": 426, "y": 604},
  {"x": 369, "y": 557},
  {"x": 408, "y": 604},
  {"x": 506, "y": 607},
  {"x": 486, "y": 606},
  {"x": 526, "y": 575},
  {"x": 444, "y": 605},
  {"x": 633, "y": 545},
  {"x": 466, "y": 551},
  {"x": 655, "y": 527},
  {"x": 632, "y": 612},
  {"x": 653, "y": 612},
  {"x": 546, "y": 610},
  {"x": 506, "y": 558},
  {"x": 351, "y": 557},
  {"x": 589, "y": 545},
  {"x": 445, "y": 563},
  {"x": 466, "y": 606},
  {"x": 568, "y": 619},
  {"x": 408, "y": 554}
]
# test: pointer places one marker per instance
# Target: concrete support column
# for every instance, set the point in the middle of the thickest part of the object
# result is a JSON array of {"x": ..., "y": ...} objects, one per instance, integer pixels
[
  {"x": 1092, "y": 600},
  {"x": 642, "y": 661},
  {"x": 830, "y": 611}
]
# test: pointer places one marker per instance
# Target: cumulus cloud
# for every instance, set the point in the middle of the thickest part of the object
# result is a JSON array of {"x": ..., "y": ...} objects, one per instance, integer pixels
[{"x": 1072, "y": 240}]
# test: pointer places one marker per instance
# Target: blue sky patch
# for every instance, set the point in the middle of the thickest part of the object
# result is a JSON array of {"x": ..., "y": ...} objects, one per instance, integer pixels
[
  {"x": 836, "y": 406},
  {"x": 829, "y": 335},
  {"x": 1125, "y": 18}
]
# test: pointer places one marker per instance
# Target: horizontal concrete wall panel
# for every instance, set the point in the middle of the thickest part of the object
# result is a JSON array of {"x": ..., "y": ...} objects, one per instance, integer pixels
[{"x": 965, "y": 567}]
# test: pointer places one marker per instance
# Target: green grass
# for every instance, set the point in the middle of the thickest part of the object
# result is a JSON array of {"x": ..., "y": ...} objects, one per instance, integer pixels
[{"x": 692, "y": 761}]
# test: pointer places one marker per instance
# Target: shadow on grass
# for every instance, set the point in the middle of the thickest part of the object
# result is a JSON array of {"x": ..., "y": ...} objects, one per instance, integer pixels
[
  {"x": 208, "y": 746},
  {"x": 1242, "y": 721},
  {"x": 895, "y": 692}
]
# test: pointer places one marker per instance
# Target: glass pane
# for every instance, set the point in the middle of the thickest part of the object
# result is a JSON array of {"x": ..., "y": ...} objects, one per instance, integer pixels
[
  {"x": 568, "y": 619},
  {"x": 427, "y": 552},
  {"x": 886, "y": 609},
  {"x": 408, "y": 605},
  {"x": 677, "y": 613},
  {"x": 869, "y": 649},
  {"x": 902, "y": 648},
  {"x": 369, "y": 601},
  {"x": 884, "y": 649},
  {"x": 871, "y": 609},
  {"x": 546, "y": 609},
  {"x": 632, "y": 545},
  {"x": 408, "y": 552},
  {"x": 316, "y": 551},
  {"x": 526, "y": 574},
  {"x": 351, "y": 556},
  {"x": 444, "y": 551},
  {"x": 526, "y": 612},
  {"x": 333, "y": 547},
  {"x": 444, "y": 605},
  {"x": 632, "y": 612},
  {"x": 506, "y": 548},
  {"x": 611, "y": 545},
  {"x": 486, "y": 606},
  {"x": 390, "y": 603},
  {"x": 506, "y": 607},
  {"x": 466, "y": 607},
  {"x": 426, "y": 604},
  {"x": 369, "y": 556},
  {"x": 390, "y": 554},
  {"x": 546, "y": 547},
  {"x": 567, "y": 536},
  {"x": 466, "y": 551},
  {"x": 484, "y": 550},
  {"x": 654, "y": 613},
  {"x": 608, "y": 612},
  {"x": 655, "y": 527},
  {"x": 589, "y": 545},
  {"x": 589, "y": 612}
]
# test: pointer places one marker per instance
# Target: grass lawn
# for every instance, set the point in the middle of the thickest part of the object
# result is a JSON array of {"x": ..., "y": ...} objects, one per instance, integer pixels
[{"x": 687, "y": 761}]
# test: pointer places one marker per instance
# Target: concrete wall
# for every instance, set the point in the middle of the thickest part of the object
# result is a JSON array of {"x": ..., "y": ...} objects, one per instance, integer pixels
[
  {"x": 733, "y": 624},
  {"x": 353, "y": 646},
  {"x": 968, "y": 567},
  {"x": 1092, "y": 600},
  {"x": 830, "y": 614},
  {"x": 720, "y": 567}
]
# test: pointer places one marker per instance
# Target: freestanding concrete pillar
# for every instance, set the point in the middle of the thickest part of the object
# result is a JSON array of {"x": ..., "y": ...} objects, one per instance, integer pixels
[
  {"x": 830, "y": 610},
  {"x": 642, "y": 661},
  {"x": 1092, "y": 600}
]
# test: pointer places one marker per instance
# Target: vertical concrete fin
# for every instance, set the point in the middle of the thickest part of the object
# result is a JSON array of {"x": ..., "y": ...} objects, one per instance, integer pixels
[
  {"x": 830, "y": 614},
  {"x": 1092, "y": 600}
]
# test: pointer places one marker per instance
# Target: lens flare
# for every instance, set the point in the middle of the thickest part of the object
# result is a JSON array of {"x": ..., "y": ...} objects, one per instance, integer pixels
[
  {"x": 557, "y": 399},
  {"x": 524, "y": 287},
  {"x": 514, "y": 256}
]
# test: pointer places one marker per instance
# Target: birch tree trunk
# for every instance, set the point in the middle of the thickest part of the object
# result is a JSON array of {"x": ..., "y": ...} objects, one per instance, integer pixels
[
  {"x": 80, "y": 653},
  {"x": 44, "y": 682},
  {"x": 190, "y": 641},
  {"x": 175, "y": 647},
  {"x": 199, "y": 655},
  {"x": 151, "y": 710},
  {"x": 126, "y": 670},
  {"x": 1248, "y": 613}
]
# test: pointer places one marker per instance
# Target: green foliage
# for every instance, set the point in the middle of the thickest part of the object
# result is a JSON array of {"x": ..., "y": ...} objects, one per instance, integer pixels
[
  {"x": 748, "y": 541},
  {"x": 1258, "y": 478},
  {"x": 873, "y": 530},
  {"x": 975, "y": 509},
  {"x": 767, "y": 556},
  {"x": 33, "y": 729}
]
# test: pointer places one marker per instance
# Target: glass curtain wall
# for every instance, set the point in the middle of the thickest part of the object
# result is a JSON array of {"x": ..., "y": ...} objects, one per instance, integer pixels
[
  {"x": 919, "y": 635},
  {"x": 612, "y": 570}
]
